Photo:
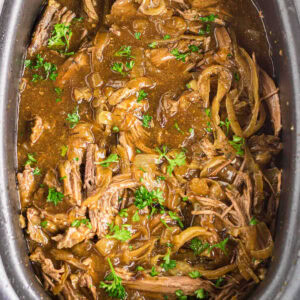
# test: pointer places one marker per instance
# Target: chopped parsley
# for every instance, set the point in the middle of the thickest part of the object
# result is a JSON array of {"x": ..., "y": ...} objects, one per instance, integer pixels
[
  {"x": 226, "y": 124},
  {"x": 111, "y": 159},
  {"x": 237, "y": 76},
  {"x": 194, "y": 48},
  {"x": 165, "y": 223},
  {"x": 142, "y": 95},
  {"x": 73, "y": 118},
  {"x": 123, "y": 213},
  {"x": 119, "y": 68},
  {"x": 198, "y": 247},
  {"x": 78, "y": 222},
  {"x": 63, "y": 150},
  {"x": 160, "y": 178},
  {"x": 195, "y": 274},
  {"x": 179, "y": 160},
  {"x": 207, "y": 112},
  {"x": 238, "y": 143},
  {"x": 180, "y": 295},
  {"x": 219, "y": 282},
  {"x": 58, "y": 91},
  {"x": 115, "y": 129},
  {"x": 54, "y": 196},
  {"x": 178, "y": 55},
  {"x": 200, "y": 294},
  {"x": 114, "y": 289},
  {"x": 60, "y": 37},
  {"x": 175, "y": 217},
  {"x": 176, "y": 126},
  {"x": 124, "y": 51},
  {"x": 221, "y": 245},
  {"x": 253, "y": 221},
  {"x": 137, "y": 35},
  {"x": 140, "y": 268},
  {"x": 137, "y": 150},
  {"x": 153, "y": 272},
  {"x": 168, "y": 263},
  {"x": 166, "y": 37},
  {"x": 30, "y": 159},
  {"x": 44, "y": 224},
  {"x": 121, "y": 234},
  {"x": 145, "y": 198},
  {"x": 146, "y": 121},
  {"x": 209, "y": 18},
  {"x": 152, "y": 45},
  {"x": 205, "y": 30},
  {"x": 129, "y": 64},
  {"x": 37, "y": 171},
  {"x": 136, "y": 217}
]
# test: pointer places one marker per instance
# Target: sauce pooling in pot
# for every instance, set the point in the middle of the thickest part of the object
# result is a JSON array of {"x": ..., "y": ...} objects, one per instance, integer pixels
[{"x": 147, "y": 144}]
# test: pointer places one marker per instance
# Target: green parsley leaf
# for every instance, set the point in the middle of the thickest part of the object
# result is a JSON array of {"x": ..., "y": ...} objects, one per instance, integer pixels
[
  {"x": 194, "y": 48},
  {"x": 145, "y": 198},
  {"x": 175, "y": 217},
  {"x": 168, "y": 263},
  {"x": 140, "y": 268},
  {"x": 114, "y": 289},
  {"x": 137, "y": 35},
  {"x": 30, "y": 159},
  {"x": 37, "y": 171},
  {"x": 192, "y": 131},
  {"x": 165, "y": 223},
  {"x": 36, "y": 77},
  {"x": 207, "y": 112},
  {"x": 58, "y": 91},
  {"x": 176, "y": 126},
  {"x": 166, "y": 37},
  {"x": 195, "y": 274},
  {"x": 115, "y": 129},
  {"x": 160, "y": 178},
  {"x": 253, "y": 221},
  {"x": 142, "y": 95},
  {"x": 178, "y": 55},
  {"x": 124, "y": 51},
  {"x": 221, "y": 245},
  {"x": 73, "y": 118},
  {"x": 138, "y": 150},
  {"x": 219, "y": 282},
  {"x": 78, "y": 19},
  {"x": 238, "y": 143},
  {"x": 185, "y": 199},
  {"x": 200, "y": 294},
  {"x": 236, "y": 76},
  {"x": 205, "y": 30},
  {"x": 111, "y": 159},
  {"x": 28, "y": 63},
  {"x": 118, "y": 67},
  {"x": 123, "y": 213},
  {"x": 180, "y": 295},
  {"x": 197, "y": 246},
  {"x": 63, "y": 150},
  {"x": 226, "y": 124},
  {"x": 129, "y": 65},
  {"x": 152, "y": 45},
  {"x": 209, "y": 18},
  {"x": 60, "y": 36},
  {"x": 209, "y": 128},
  {"x": 179, "y": 160},
  {"x": 146, "y": 121},
  {"x": 54, "y": 196},
  {"x": 153, "y": 272},
  {"x": 136, "y": 217},
  {"x": 121, "y": 234},
  {"x": 44, "y": 224},
  {"x": 78, "y": 222}
]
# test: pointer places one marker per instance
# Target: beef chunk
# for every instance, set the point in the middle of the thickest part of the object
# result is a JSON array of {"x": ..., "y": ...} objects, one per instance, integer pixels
[
  {"x": 26, "y": 185},
  {"x": 36, "y": 130}
]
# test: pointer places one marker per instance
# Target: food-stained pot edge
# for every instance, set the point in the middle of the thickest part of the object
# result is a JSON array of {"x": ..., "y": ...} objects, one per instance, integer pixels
[{"x": 16, "y": 22}]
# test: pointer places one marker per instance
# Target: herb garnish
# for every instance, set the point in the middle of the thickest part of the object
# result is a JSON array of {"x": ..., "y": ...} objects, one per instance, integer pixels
[
  {"x": 54, "y": 196},
  {"x": 166, "y": 37},
  {"x": 238, "y": 143},
  {"x": 221, "y": 245},
  {"x": 60, "y": 36},
  {"x": 145, "y": 198},
  {"x": 180, "y": 295},
  {"x": 142, "y": 95},
  {"x": 168, "y": 263},
  {"x": 225, "y": 123},
  {"x": 206, "y": 30},
  {"x": 176, "y": 126},
  {"x": 73, "y": 118},
  {"x": 124, "y": 51},
  {"x": 209, "y": 18},
  {"x": 153, "y": 272},
  {"x": 195, "y": 274},
  {"x": 140, "y": 268},
  {"x": 78, "y": 222},
  {"x": 146, "y": 121},
  {"x": 114, "y": 289},
  {"x": 44, "y": 224},
  {"x": 129, "y": 65},
  {"x": 118, "y": 67},
  {"x": 200, "y": 294},
  {"x": 111, "y": 159},
  {"x": 178, "y": 55},
  {"x": 137, "y": 35},
  {"x": 37, "y": 171},
  {"x": 253, "y": 221},
  {"x": 121, "y": 234},
  {"x": 194, "y": 48},
  {"x": 197, "y": 246},
  {"x": 175, "y": 217},
  {"x": 179, "y": 160},
  {"x": 30, "y": 159},
  {"x": 123, "y": 213},
  {"x": 152, "y": 45},
  {"x": 64, "y": 150}
]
